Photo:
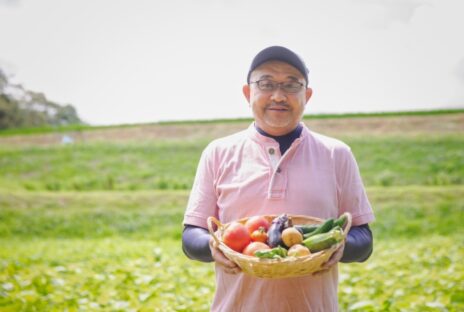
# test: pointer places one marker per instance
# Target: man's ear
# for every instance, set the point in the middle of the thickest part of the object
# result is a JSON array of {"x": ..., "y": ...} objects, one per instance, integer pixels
[
  {"x": 309, "y": 93},
  {"x": 246, "y": 92}
]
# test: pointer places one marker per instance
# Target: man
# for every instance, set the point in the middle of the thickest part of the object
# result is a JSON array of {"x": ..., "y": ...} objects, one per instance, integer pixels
[{"x": 277, "y": 165}]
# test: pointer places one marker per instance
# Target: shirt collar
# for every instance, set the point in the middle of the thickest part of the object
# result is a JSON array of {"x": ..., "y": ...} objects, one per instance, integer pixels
[{"x": 260, "y": 138}]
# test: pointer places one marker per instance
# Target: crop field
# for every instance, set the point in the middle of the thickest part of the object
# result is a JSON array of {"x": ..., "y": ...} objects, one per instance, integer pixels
[{"x": 96, "y": 225}]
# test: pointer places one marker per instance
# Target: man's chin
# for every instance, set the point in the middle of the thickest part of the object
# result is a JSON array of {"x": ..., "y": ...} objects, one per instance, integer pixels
[
  {"x": 278, "y": 124},
  {"x": 278, "y": 128}
]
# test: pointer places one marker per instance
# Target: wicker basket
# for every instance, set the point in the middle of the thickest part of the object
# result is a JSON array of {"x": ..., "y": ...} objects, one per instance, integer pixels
[{"x": 276, "y": 268}]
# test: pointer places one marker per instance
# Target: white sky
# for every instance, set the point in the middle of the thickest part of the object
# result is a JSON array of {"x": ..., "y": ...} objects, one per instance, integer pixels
[{"x": 143, "y": 61}]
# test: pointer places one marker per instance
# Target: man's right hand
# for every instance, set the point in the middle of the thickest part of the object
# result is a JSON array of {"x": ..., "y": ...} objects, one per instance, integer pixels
[{"x": 230, "y": 267}]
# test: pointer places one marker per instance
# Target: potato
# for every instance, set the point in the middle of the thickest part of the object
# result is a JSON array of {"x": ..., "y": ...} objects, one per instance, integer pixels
[{"x": 291, "y": 236}]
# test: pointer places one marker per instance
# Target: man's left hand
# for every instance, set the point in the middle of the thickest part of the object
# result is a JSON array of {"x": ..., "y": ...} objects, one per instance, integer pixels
[{"x": 334, "y": 259}]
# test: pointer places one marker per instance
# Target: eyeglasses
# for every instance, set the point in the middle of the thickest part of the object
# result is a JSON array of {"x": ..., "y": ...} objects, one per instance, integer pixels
[{"x": 267, "y": 85}]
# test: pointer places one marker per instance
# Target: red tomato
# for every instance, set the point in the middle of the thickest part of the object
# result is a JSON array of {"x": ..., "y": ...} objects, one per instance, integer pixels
[
  {"x": 254, "y": 247},
  {"x": 259, "y": 235},
  {"x": 236, "y": 236},
  {"x": 255, "y": 222}
]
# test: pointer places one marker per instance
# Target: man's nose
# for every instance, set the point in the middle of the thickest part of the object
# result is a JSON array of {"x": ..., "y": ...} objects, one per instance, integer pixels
[{"x": 278, "y": 95}]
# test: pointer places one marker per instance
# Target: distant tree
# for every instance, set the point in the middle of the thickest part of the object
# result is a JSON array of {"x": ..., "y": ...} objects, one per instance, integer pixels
[
  {"x": 3, "y": 81},
  {"x": 67, "y": 115},
  {"x": 10, "y": 115},
  {"x": 23, "y": 108}
]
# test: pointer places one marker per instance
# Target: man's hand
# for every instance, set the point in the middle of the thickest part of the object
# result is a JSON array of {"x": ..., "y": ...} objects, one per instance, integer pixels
[
  {"x": 229, "y": 266},
  {"x": 334, "y": 259}
]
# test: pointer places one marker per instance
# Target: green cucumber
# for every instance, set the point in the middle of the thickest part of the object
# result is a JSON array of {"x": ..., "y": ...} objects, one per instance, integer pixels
[
  {"x": 306, "y": 228},
  {"x": 323, "y": 241},
  {"x": 337, "y": 228},
  {"x": 340, "y": 221},
  {"x": 323, "y": 228}
]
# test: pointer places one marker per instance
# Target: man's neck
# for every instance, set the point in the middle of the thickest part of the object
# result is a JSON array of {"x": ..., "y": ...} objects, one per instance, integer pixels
[
  {"x": 296, "y": 131},
  {"x": 286, "y": 140}
]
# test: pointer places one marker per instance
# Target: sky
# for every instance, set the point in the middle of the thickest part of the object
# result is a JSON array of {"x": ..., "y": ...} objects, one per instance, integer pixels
[{"x": 121, "y": 61}]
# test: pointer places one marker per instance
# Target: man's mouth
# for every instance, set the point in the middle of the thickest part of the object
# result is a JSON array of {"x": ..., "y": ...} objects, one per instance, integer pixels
[{"x": 278, "y": 108}]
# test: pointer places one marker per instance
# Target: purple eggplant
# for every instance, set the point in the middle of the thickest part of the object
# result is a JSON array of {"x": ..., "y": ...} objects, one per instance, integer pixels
[{"x": 274, "y": 233}]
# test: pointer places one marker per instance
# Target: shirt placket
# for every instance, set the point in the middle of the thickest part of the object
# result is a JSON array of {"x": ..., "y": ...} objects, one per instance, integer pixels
[{"x": 278, "y": 182}]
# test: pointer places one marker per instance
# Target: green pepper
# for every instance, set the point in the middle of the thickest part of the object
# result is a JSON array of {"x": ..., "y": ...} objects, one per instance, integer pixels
[{"x": 274, "y": 253}]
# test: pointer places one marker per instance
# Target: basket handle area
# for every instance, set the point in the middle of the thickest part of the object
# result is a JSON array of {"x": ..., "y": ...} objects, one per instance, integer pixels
[
  {"x": 211, "y": 221},
  {"x": 348, "y": 223}
]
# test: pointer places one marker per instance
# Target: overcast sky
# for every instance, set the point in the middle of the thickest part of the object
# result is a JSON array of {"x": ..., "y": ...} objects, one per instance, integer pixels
[{"x": 143, "y": 61}]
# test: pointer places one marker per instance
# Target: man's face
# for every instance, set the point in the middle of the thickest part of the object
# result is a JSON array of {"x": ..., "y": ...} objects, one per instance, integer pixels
[{"x": 276, "y": 112}]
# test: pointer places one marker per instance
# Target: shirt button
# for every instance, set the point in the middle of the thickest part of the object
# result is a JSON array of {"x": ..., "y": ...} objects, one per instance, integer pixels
[
  {"x": 279, "y": 170},
  {"x": 271, "y": 151}
]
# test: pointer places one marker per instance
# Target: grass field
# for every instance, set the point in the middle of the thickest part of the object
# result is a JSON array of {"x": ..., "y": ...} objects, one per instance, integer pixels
[{"x": 96, "y": 225}]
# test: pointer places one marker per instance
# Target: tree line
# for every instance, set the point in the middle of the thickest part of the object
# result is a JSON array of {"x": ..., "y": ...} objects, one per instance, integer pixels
[{"x": 21, "y": 108}]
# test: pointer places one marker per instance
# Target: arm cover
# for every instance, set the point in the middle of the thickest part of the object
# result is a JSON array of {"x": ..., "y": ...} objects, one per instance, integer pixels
[
  {"x": 195, "y": 243},
  {"x": 358, "y": 245}
]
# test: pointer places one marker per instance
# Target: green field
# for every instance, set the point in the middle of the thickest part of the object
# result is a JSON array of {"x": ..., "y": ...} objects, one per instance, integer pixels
[{"x": 96, "y": 225}]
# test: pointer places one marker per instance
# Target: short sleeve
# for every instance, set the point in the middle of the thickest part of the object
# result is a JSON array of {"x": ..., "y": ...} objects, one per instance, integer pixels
[
  {"x": 352, "y": 195},
  {"x": 202, "y": 201}
]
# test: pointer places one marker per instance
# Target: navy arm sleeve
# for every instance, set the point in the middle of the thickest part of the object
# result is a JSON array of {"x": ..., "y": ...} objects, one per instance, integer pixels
[
  {"x": 358, "y": 245},
  {"x": 195, "y": 243}
]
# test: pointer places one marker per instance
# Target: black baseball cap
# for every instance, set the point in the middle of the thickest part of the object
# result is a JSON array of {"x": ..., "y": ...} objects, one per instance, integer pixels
[{"x": 278, "y": 53}]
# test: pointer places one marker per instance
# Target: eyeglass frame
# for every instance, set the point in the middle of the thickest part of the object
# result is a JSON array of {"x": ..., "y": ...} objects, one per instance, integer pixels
[{"x": 279, "y": 85}]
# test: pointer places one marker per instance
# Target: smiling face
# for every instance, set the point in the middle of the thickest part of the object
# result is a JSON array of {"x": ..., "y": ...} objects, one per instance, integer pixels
[{"x": 276, "y": 112}]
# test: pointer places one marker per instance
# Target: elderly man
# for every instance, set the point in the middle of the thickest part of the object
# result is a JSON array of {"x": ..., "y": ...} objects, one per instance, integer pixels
[{"x": 277, "y": 165}]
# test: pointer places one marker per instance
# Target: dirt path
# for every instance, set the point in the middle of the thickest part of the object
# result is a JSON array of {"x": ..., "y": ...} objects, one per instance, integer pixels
[
  {"x": 338, "y": 127},
  {"x": 397, "y": 125}
]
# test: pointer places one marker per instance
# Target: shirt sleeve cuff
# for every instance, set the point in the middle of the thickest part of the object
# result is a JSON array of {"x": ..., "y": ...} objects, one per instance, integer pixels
[
  {"x": 362, "y": 219},
  {"x": 195, "y": 220}
]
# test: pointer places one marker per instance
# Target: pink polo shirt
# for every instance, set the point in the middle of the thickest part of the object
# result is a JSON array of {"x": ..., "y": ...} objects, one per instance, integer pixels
[{"x": 244, "y": 175}]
